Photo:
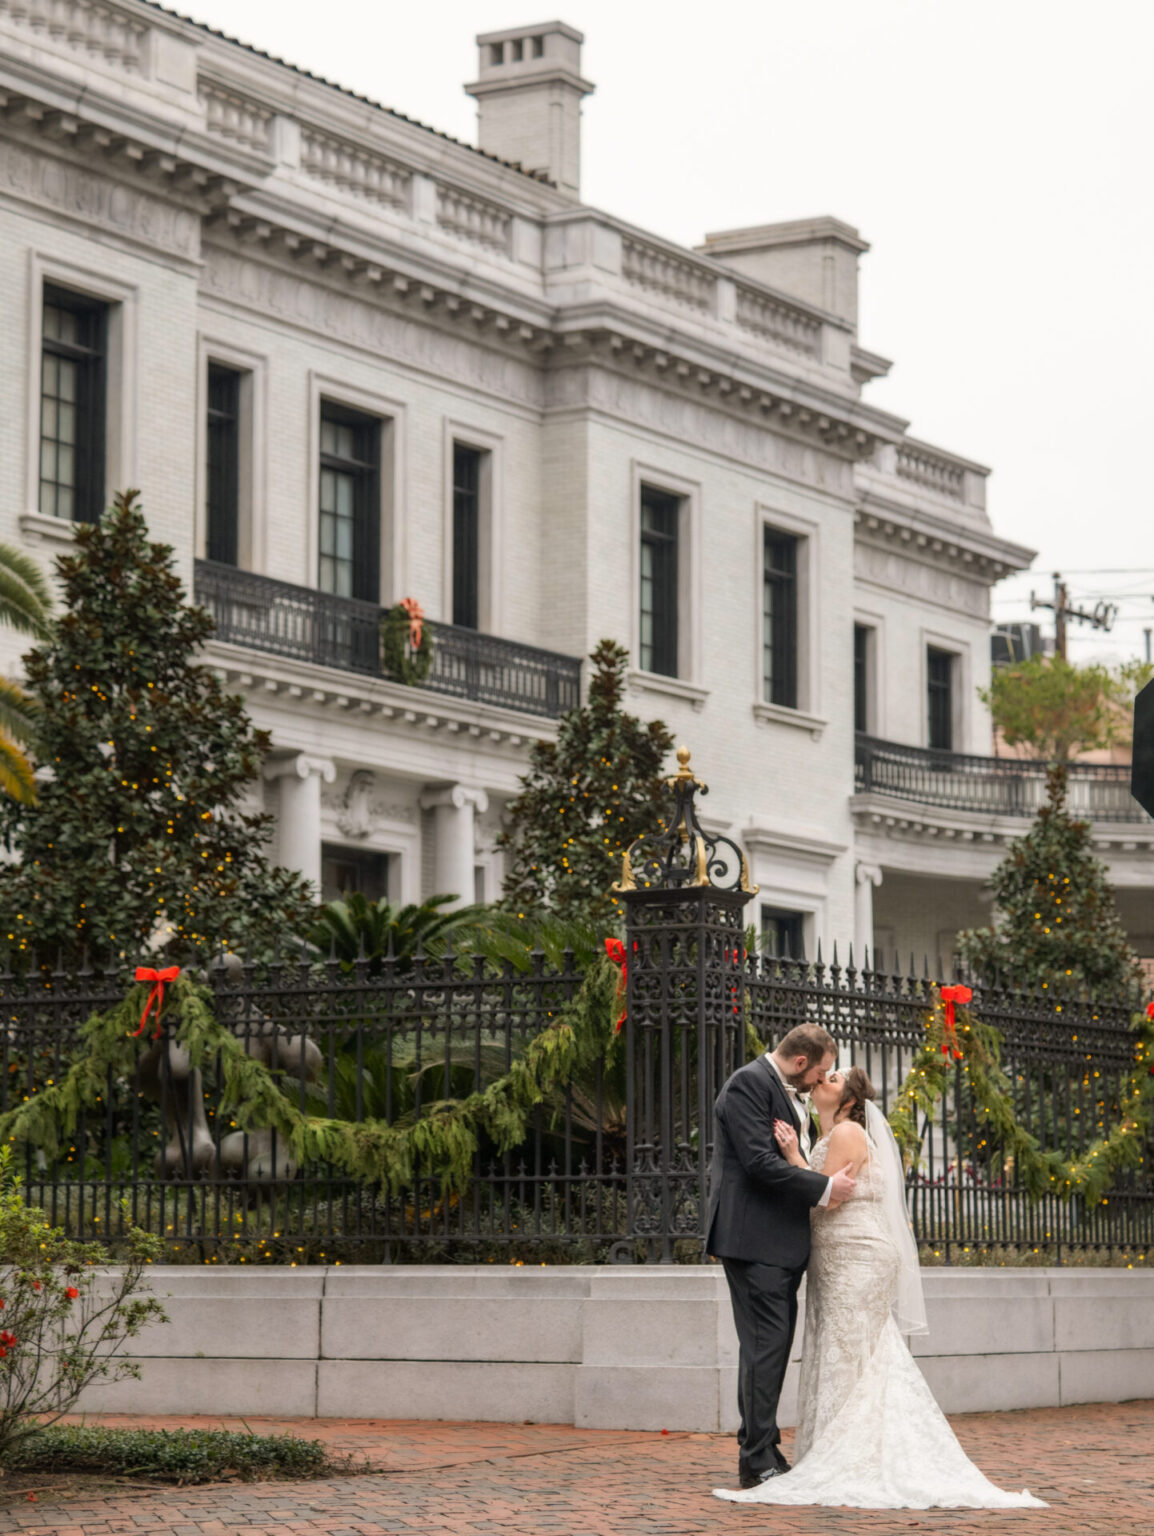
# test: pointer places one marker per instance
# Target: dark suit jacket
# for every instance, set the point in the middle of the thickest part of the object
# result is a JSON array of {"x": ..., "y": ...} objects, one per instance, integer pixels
[{"x": 758, "y": 1203}]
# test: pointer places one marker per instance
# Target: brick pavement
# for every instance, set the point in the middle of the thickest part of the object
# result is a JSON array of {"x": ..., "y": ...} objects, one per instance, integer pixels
[{"x": 1093, "y": 1464}]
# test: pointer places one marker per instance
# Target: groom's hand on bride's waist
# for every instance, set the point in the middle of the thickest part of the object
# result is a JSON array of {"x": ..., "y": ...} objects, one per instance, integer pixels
[{"x": 841, "y": 1187}]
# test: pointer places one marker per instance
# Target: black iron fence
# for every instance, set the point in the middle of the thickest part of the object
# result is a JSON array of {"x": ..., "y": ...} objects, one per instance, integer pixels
[
  {"x": 309, "y": 625},
  {"x": 614, "y": 1164},
  {"x": 991, "y": 786}
]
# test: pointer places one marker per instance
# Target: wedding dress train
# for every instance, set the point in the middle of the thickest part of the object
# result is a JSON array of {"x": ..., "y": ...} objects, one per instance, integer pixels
[{"x": 870, "y": 1434}]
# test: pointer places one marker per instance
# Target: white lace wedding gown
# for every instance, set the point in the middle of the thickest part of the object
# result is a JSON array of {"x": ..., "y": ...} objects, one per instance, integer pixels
[{"x": 870, "y": 1434}]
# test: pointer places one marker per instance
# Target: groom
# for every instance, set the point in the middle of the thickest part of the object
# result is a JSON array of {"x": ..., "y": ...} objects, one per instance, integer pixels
[{"x": 759, "y": 1208}]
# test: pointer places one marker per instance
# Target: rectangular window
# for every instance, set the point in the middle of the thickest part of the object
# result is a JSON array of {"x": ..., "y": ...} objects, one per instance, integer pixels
[
  {"x": 660, "y": 519},
  {"x": 783, "y": 933},
  {"x": 940, "y": 700},
  {"x": 779, "y": 619},
  {"x": 349, "y": 503},
  {"x": 862, "y": 639},
  {"x": 467, "y": 536},
  {"x": 72, "y": 405},
  {"x": 222, "y": 466},
  {"x": 345, "y": 871}
]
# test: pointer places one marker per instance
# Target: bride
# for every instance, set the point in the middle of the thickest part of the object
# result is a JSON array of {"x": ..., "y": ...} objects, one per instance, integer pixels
[{"x": 870, "y": 1434}]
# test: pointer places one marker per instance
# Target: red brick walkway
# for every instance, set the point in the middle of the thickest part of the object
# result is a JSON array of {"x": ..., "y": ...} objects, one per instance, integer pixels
[{"x": 1094, "y": 1465}]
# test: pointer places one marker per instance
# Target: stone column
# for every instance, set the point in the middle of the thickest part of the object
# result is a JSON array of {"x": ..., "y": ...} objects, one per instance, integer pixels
[
  {"x": 454, "y": 807},
  {"x": 299, "y": 821},
  {"x": 866, "y": 877}
]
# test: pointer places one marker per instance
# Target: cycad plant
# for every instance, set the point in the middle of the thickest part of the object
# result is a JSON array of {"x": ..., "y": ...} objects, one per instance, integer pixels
[
  {"x": 359, "y": 929},
  {"x": 25, "y": 605}
]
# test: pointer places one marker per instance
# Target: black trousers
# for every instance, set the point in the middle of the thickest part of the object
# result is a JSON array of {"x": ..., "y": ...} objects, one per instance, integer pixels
[{"x": 764, "y": 1300}]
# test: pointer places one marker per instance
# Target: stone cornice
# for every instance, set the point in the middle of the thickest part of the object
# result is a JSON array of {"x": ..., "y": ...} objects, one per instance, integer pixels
[
  {"x": 952, "y": 544},
  {"x": 418, "y": 710},
  {"x": 906, "y": 820}
]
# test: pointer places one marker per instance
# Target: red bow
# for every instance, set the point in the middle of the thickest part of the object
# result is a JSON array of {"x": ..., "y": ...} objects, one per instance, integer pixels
[
  {"x": 416, "y": 619},
  {"x": 950, "y": 996},
  {"x": 1150, "y": 1010},
  {"x": 158, "y": 978},
  {"x": 615, "y": 949}
]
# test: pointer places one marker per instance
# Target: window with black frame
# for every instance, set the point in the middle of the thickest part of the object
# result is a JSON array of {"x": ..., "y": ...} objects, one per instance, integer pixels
[
  {"x": 862, "y": 646},
  {"x": 349, "y": 563},
  {"x": 940, "y": 699},
  {"x": 222, "y": 464},
  {"x": 468, "y": 464},
  {"x": 73, "y": 372},
  {"x": 660, "y": 530},
  {"x": 779, "y": 619},
  {"x": 783, "y": 933}
]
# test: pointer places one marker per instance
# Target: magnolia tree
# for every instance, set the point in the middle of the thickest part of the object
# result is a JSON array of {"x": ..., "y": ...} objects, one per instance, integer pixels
[{"x": 141, "y": 837}]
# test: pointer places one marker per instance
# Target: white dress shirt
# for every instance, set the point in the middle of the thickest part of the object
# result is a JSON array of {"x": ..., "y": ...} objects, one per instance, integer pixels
[{"x": 801, "y": 1110}]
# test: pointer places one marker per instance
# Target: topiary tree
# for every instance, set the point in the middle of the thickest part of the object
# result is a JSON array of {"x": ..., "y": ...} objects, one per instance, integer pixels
[
  {"x": 1056, "y": 923},
  {"x": 583, "y": 801},
  {"x": 139, "y": 838}
]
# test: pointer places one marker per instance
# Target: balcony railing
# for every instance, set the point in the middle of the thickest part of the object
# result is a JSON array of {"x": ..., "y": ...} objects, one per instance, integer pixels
[
  {"x": 307, "y": 625},
  {"x": 990, "y": 786}
]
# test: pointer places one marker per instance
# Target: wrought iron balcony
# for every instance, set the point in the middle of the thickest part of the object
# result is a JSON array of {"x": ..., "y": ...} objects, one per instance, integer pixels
[
  {"x": 989, "y": 786},
  {"x": 308, "y": 625}
]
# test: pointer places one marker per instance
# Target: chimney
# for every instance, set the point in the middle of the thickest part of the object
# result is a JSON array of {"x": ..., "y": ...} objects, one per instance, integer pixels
[
  {"x": 811, "y": 259},
  {"x": 529, "y": 99}
]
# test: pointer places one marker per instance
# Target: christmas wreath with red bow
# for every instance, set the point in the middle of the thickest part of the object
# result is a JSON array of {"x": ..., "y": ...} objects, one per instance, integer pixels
[{"x": 406, "y": 643}]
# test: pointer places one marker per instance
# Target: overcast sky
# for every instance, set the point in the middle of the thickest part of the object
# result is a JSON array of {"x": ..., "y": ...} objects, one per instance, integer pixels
[{"x": 995, "y": 153}]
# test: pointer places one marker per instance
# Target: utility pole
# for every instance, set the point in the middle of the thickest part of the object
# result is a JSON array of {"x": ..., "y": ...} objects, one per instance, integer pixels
[{"x": 1102, "y": 615}]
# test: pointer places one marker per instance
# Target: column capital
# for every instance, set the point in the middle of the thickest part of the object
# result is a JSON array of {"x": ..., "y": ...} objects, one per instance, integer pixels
[
  {"x": 868, "y": 874},
  {"x": 301, "y": 765},
  {"x": 456, "y": 795}
]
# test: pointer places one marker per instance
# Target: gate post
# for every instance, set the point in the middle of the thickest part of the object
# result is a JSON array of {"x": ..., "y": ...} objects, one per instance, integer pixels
[{"x": 684, "y": 892}]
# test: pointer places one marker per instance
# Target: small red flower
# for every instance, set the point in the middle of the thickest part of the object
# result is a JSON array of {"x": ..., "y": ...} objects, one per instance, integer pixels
[
  {"x": 36, "y": 1285},
  {"x": 1150, "y": 1010},
  {"x": 72, "y": 1293}
]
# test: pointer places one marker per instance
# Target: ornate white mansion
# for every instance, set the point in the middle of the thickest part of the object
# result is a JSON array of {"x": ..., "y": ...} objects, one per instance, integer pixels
[{"x": 350, "y": 360}]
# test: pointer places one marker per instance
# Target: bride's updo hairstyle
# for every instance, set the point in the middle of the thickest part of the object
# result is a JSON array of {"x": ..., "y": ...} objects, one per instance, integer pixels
[{"x": 856, "y": 1091}]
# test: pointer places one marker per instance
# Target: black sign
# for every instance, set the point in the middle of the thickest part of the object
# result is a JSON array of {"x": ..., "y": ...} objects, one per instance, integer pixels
[{"x": 1142, "y": 765}]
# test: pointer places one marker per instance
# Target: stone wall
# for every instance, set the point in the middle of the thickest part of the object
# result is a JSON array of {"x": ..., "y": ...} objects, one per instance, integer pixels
[{"x": 633, "y": 1347}]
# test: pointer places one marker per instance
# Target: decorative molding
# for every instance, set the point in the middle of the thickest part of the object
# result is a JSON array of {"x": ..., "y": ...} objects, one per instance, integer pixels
[
  {"x": 801, "y": 719},
  {"x": 87, "y": 195},
  {"x": 359, "y": 172},
  {"x": 36, "y": 528},
  {"x": 337, "y": 313},
  {"x": 456, "y": 795},
  {"x": 670, "y": 687},
  {"x": 354, "y": 812},
  {"x": 301, "y": 765},
  {"x": 757, "y": 837},
  {"x": 84, "y": 26},
  {"x": 906, "y": 568}
]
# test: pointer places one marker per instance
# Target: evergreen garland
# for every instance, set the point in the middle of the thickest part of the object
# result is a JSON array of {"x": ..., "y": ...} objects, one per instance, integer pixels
[
  {"x": 443, "y": 1142},
  {"x": 402, "y": 663},
  {"x": 1090, "y": 1175}
]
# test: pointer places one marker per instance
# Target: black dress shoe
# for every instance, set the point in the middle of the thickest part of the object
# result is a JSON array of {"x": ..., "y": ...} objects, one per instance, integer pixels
[{"x": 755, "y": 1479}]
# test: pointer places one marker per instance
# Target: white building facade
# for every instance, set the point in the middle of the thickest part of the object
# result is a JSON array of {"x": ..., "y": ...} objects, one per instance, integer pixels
[{"x": 349, "y": 360}]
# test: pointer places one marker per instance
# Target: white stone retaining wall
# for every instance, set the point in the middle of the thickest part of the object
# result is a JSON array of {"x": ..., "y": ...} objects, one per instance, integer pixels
[{"x": 632, "y": 1347}]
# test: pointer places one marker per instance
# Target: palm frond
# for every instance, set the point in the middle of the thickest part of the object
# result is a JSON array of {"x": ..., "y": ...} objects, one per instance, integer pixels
[
  {"x": 16, "y": 779},
  {"x": 16, "y": 710},
  {"x": 25, "y": 595}
]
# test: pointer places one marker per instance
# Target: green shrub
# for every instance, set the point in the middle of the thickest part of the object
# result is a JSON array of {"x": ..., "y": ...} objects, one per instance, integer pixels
[
  {"x": 65, "y": 1316},
  {"x": 169, "y": 1455}
]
